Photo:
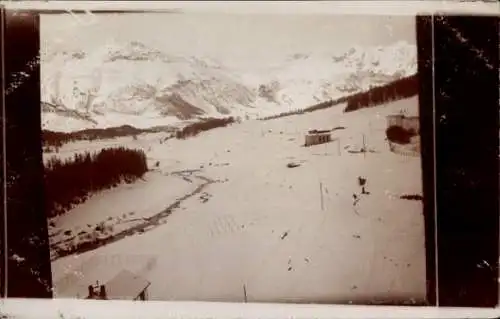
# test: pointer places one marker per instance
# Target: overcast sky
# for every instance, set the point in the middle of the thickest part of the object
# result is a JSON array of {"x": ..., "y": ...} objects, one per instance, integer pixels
[{"x": 219, "y": 34}]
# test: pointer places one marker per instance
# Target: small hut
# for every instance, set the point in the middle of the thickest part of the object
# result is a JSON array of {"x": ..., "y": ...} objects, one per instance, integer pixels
[
  {"x": 404, "y": 139},
  {"x": 395, "y": 120},
  {"x": 314, "y": 137},
  {"x": 409, "y": 123},
  {"x": 124, "y": 286},
  {"x": 412, "y": 123}
]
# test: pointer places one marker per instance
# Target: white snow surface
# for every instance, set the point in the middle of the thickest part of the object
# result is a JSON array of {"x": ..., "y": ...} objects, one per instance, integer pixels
[
  {"x": 207, "y": 250},
  {"x": 136, "y": 84}
]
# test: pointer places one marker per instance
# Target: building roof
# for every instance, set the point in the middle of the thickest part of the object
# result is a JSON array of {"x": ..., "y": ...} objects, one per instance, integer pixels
[
  {"x": 319, "y": 133},
  {"x": 403, "y": 116},
  {"x": 126, "y": 285},
  {"x": 395, "y": 115},
  {"x": 412, "y": 117}
]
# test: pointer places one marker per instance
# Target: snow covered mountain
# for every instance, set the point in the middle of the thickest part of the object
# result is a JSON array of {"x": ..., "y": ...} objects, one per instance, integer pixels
[{"x": 141, "y": 86}]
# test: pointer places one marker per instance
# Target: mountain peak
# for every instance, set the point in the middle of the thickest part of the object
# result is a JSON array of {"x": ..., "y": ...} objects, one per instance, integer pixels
[{"x": 137, "y": 84}]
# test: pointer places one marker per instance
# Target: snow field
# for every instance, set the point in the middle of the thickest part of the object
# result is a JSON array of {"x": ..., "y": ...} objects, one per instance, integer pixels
[{"x": 287, "y": 234}]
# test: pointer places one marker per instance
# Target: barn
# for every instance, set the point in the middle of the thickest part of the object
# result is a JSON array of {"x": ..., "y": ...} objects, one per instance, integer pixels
[
  {"x": 314, "y": 137},
  {"x": 124, "y": 286},
  {"x": 409, "y": 123}
]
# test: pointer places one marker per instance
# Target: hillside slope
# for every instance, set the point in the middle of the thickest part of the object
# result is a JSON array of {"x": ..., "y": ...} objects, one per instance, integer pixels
[{"x": 287, "y": 234}]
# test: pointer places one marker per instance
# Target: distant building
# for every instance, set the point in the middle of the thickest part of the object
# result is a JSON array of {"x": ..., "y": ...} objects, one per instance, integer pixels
[
  {"x": 395, "y": 120},
  {"x": 409, "y": 123},
  {"x": 314, "y": 137},
  {"x": 124, "y": 286}
]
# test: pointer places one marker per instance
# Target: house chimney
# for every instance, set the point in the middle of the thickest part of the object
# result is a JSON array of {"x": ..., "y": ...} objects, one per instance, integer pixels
[
  {"x": 102, "y": 292},
  {"x": 91, "y": 291}
]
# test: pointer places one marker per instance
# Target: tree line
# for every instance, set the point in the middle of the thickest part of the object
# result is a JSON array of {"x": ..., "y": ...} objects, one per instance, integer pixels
[
  {"x": 403, "y": 88},
  {"x": 399, "y": 89},
  {"x": 205, "y": 125},
  {"x": 315, "y": 107},
  {"x": 54, "y": 140},
  {"x": 70, "y": 182}
]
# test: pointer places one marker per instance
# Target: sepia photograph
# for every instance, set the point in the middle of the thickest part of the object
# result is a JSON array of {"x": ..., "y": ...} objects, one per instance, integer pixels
[{"x": 233, "y": 157}]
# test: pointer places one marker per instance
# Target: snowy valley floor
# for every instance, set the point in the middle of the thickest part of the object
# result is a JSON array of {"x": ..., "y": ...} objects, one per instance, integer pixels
[{"x": 233, "y": 214}]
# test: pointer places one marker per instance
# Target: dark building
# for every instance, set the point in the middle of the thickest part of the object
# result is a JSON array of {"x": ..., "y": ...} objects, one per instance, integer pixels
[{"x": 124, "y": 286}]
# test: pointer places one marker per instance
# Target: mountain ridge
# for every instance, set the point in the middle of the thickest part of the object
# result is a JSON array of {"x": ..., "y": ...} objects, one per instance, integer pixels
[{"x": 135, "y": 84}]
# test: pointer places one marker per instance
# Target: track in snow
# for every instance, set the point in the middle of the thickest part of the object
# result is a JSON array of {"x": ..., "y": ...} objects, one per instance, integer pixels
[{"x": 148, "y": 223}]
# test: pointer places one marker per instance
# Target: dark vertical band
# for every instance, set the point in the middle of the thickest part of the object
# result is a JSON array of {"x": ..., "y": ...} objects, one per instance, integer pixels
[
  {"x": 467, "y": 140},
  {"x": 3, "y": 221},
  {"x": 29, "y": 272},
  {"x": 426, "y": 114}
]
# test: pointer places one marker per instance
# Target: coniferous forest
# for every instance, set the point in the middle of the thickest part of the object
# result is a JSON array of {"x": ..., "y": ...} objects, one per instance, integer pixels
[
  {"x": 205, "y": 125},
  {"x": 400, "y": 89},
  {"x": 70, "y": 182}
]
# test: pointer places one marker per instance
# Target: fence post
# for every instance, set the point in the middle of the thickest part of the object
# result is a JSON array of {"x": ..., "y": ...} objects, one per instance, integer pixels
[
  {"x": 321, "y": 193},
  {"x": 364, "y": 146}
]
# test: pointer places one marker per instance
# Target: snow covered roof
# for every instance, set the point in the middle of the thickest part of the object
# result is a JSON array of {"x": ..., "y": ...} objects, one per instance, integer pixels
[
  {"x": 320, "y": 132},
  {"x": 403, "y": 116},
  {"x": 125, "y": 285},
  {"x": 395, "y": 116}
]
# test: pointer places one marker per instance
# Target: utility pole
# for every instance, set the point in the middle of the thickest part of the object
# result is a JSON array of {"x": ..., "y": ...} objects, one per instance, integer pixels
[
  {"x": 364, "y": 146},
  {"x": 321, "y": 194}
]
